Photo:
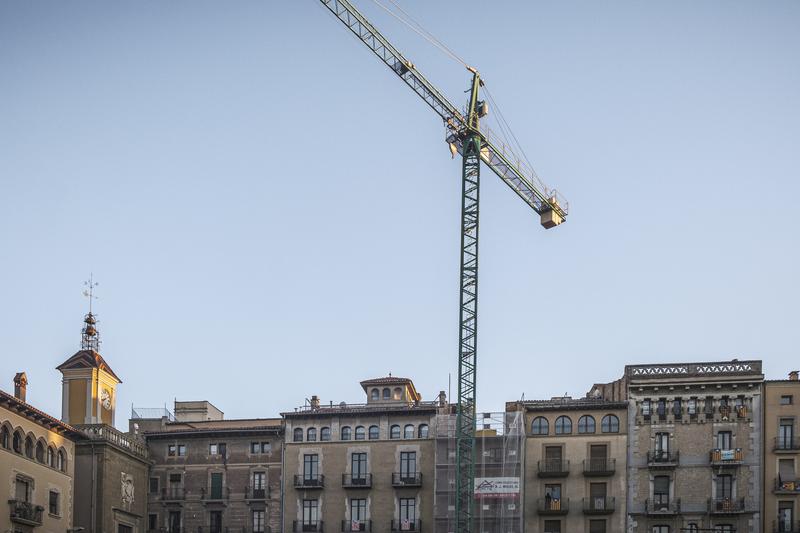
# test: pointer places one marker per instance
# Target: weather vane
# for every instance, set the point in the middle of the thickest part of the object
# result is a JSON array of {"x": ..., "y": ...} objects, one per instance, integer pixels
[
  {"x": 89, "y": 291},
  {"x": 90, "y": 339}
]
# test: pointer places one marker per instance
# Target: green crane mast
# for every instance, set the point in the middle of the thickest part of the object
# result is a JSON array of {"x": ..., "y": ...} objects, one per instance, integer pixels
[{"x": 464, "y": 136}]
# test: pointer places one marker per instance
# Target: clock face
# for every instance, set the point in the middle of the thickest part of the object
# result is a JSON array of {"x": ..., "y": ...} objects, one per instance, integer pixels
[{"x": 105, "y": 399}]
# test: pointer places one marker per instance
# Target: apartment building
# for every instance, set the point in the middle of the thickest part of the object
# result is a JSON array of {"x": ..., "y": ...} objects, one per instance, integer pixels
[
  {"x": 361, "y": 467},
  {"x": 37, "y": 465},
  {"x": 781, "y": 455},
  {"x": 574, "y": 464},
  {"x": 209, "y": 474},
  {"x": 695, "y": 447}
]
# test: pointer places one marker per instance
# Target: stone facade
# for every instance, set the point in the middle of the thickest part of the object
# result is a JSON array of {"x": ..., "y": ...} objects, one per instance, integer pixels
[{"x": 781, "y": 455}]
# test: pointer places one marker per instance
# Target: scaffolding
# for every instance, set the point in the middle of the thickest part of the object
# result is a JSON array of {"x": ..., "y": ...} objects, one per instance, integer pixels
[{"x": 498, "y": 473}]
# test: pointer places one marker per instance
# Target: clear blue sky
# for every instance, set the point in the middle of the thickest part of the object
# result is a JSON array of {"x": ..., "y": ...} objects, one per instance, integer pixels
[{"x": 271, "y": 214}]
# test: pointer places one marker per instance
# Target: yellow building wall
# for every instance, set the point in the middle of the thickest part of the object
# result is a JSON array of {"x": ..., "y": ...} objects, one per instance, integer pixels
[{"x": 77, "y": 401}]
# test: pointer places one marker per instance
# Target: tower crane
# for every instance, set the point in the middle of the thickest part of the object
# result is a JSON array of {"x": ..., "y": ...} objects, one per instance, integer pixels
[{"x": 465, "y": 137}]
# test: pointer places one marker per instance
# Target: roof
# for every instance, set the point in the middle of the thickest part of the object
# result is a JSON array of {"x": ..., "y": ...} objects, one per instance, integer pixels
[
  {"x": 12, "y": 403},
  {"x": 391, "y": 380},
  {"x": 366, "y": 409},
  {"x": 219, "y": 426},
  {"x": 87, "y": 359},
  {"x": 557, "y": 404}
]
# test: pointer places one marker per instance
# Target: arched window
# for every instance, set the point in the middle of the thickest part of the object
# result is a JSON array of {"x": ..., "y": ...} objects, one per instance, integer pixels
[
  {"x": 375, "y": 394},
  {"x": 387, "y": 394},
  {"x": 408, "y": 431},
  {"x": 586, "y": 424},
  {"x": 311, "y": 435},
  {"x": 609, "y": 424},
  {"x": 347, "y": 433},
  {"x": 4, "y": 437},
  {"x": 51, "y": 457},
  {"x": 29, "y": 448},
  {"x": 422, "y": 431},
  {"x": 40, "y": 452},
  {"x": 398, "y": 393},
  {"x": 298, "y": 435},
  {"x": 563, "y": 425},
  {"x": 17, "y": 442},
  {"x": 374, "y": 433},
  {"x": 394, "y": 432},
  {"x": 361, "y": 434},
  {"x": 62, "y": 460},
  {"x": 540, "y": 426},
  {"x": 325, "y": 434}
]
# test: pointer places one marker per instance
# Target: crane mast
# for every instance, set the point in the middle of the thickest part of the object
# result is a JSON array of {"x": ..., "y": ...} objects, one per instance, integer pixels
[{"x": 464, "y": 136}]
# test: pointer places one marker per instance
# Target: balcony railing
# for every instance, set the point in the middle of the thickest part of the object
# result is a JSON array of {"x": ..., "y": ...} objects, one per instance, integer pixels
[
  {"x": 173, "y": 493},
  {"x": 212, "y": 494},
  {"x": 553, "y": 468},
  {"x": 26, "y": 513},
  {"x": 406, "y": 525},
  {"x": 719, "y": 456},
  {"x": 785, "y": 526},
  {"x": 786, "y": 487},
  {"x": 407, "y": 479},
  {"x": 102, "y": 432},
  {"x": 786, "y": 444},
  {"x": 726, "y": 506},
  {"x": 662, "y": 506},
  {"x": 356, "y": 525},
  {"x": 307, "y": 481},
  {"x": 305, "y": 526},
  {"x": 256, "y": 494},
  {"x": 662, "y": 459},
  {"x": 599, "y": 467},
  {"x": 357, "y": 481},
  {"x": 552, "y": 506},
  {"x": 599, "y": 505}
]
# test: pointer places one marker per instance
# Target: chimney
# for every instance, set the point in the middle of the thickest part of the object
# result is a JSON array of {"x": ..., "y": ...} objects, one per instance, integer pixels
[
  {"x": 442, "y": 399},
  {"x": 20, "y": 385},
  {"x": 314, "y": 402},
  {"x": 793, "y": 375}
]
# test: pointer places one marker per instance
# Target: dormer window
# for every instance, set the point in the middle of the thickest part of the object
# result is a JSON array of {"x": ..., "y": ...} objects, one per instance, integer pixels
[
  {"x": 387, "y": 393},
  {"x": 375, "y": 395},
  {"x": 398, "y": 393}
]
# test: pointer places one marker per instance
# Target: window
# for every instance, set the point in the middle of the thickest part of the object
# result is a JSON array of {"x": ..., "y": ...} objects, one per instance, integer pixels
[
  {"x": 586, "y": 424},
  {"x": 597, "y": 496},
  {"x": 266, "y": 447},
  {"x": 646, "y": 408},
  {"x": 662, "y": 446},
  {"x": 310, "y": 467},
  {"x": 152, "y": 487},
  {"x": 29, "y": 448},
  {"x": 785, "y": 516},
  {"x": 610, "y": 424},
  {"x": 175, "y": 479},
  {"x": 51, "y": 457},
  {"x": 598, "y": 458},
  {"x": 325, "y": 434},
  {"x": 725, "y": 528},
  {"x": 397, "y": 394},
  {"x": 260, "y": 447},
  {"x": 152, "y": 522},
  {"x": 692, "y": 526},
  {"x": 552, "y": 526},
  {"x": 785, "y": 433},
  {"x": 172, "y": 450},
  {"x": 22, "y": 489},
  {"x": 422, "y": 431},
  {"x": 4, "y": 437},
  {"x": 724, "y": 487},
  {"x": 540, "y": 426},
  {"x": 297, "y": 435},
  {"x": 375, "y": 395},
  {"x": 358, "y": 468},
  {"x": 387, "y": 395},
  {"x": 661, "y": 407},
  {"x": 17, "y": 442},
  {"x": 408, "y": 514},
  {"x": 408, "y": 466},
  {"x": 361, "y": 433},
  {"x": 259, "y": 485},
  {"x": 219, "y": 448},
  {"x": 216, "y": 485},
  {"x": 374, "y": 433},
  {"x": 358, "y": 514},
  {"x": 62, "y": 460},
  {"x": 311, "y": 435},
  {"x": 724, "y": 439},
  {"x": 54, "y": 505},
  {"x": 347, "y": 433},
  {"x": 124, "y": 528},
  {"x": 676, "y": 407},
  {"x": 40, "y": 452},
  {"x": 394, "y": 432},
  {"x": 660, "y": 529},
  {"x": 408, "y": 431},
  {"x": 310, "y": 515},
  {"x": 786, "y": 400},
  {"x": 661, "y": 492},
  {"x": 551, "y": 493},
  {"x": 563, "y": 425},
  {"x": 597, "y": 526},
  {"x": 258, "y": 521},
  {"x": 215, "y": 521},
  {"x": 691, "y": 407},
  {"x": 553, "y": 459}
]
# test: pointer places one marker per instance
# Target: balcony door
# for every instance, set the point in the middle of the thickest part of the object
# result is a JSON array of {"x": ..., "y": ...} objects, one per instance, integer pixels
[
  {"x": 662, "y": 446},
  {"x": 785, "y": 516},
  {"x": 408, "y": 514},
  {"x": 358, "y": 514},
  {"x": 661, "y": 491},
  {"x": 785, "y": 433},
  {"x": 358, "y": 465},
  {"x": 310, "y": 515},
  {"x": 724, "y": 487},
  {"x": 408, "y": 466},
  {"x": 310, "y": 468},
  {"x": 724, "y": 440},
  {"x": 597, "y": 495},
  {"x": 597, "y": 457}
]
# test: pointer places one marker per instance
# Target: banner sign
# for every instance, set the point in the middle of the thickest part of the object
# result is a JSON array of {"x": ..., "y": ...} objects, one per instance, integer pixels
[{"x": 496, "y": 487}]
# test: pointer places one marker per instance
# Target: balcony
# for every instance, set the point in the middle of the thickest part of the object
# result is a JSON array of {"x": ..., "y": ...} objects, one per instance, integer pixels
[
  {"x": 599, "y": 505},
  {"x": 215, "y": 494},
  {"x": 406, "y": 525},
  {"x": 662, "y": 506},
  {"x": 725, "y": 506},
  {"x": 786, "y": 445},
  {"x": 719, "y": 457},
  {"x": 785, "y": 526},
  {"x": 356, "y": 525},
  {"x": 307, "y": 481},
  {"x": 304, "y": 526},
  {"x": 552, "y": 506},
  {"x": 786, "y": 487},
  {"x": 599, "y": 467},
  {"x": 407, "y": 479},
  {"x": 26, "y": 513},
  {"x": 553, "y": 468},
  {"x": 362, "y": 481},
  {"x": 662, "y": 459},
  {"x": 256, "y": 494},
  {"x": 173, "y": 494}
]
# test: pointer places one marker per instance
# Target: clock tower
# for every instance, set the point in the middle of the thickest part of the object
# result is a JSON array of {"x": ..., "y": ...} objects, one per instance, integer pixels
[{"x": 89, "y": 385}]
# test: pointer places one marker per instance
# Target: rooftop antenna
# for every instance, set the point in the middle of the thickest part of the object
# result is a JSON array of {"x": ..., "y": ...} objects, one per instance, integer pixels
[{"x": 90, "y": 338}]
